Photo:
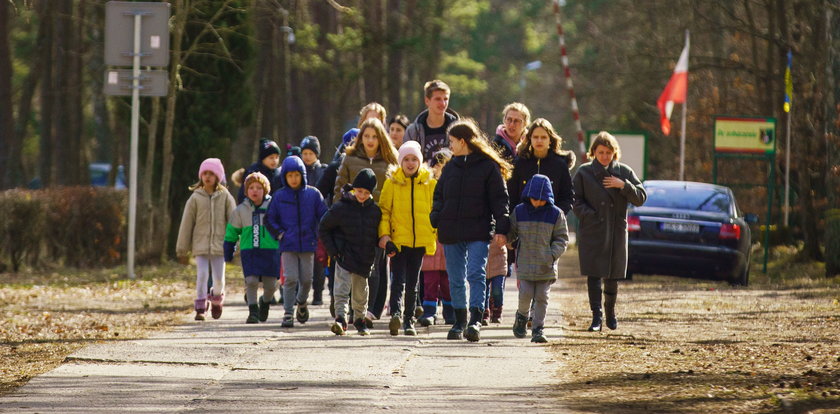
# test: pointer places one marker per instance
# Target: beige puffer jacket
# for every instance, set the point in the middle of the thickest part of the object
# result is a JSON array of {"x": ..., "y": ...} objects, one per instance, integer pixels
[{"x": 203, "y": 224}]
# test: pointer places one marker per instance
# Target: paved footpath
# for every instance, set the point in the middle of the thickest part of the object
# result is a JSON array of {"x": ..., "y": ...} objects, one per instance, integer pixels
[{"x": 228, "y": 366}]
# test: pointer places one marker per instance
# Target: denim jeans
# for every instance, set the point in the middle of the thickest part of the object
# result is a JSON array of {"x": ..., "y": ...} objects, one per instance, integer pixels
[
  {"x": 495, "y": 294},
  {"x": 466, "y": 262}
]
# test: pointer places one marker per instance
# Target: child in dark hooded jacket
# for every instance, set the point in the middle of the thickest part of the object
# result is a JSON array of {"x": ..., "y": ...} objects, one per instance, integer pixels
[
  {"x": 539, "y": 227},
  {"x": 293, "y": 218},
  {"x": 349, "y": 231}
]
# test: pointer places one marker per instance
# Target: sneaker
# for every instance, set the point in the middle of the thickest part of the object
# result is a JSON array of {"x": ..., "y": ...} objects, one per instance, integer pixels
[
  {"x": 199, "y": 316},
  {"x": 361, "y": 327},
  {"x": 408, "y": 327},
  {"x": 339, "y": 327},
  {"x": 288, "y": 321},
  {"x": 369, "y": 317},
  {"x": 537, "y": 335},
  {"x": 302, "y": 313},
  {"x": 394, "y": 325},
  {"x": 317, "y": 302},
  {"x": 426, "y": 321}
]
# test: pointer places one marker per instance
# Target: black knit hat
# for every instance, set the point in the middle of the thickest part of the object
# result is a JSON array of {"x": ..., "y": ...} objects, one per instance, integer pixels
[
  {"x": 311, "y": 143},
  {"x": 268, "y": 147},
  {"x": 365, "y": 179},
  {"x": 290, "y": 150}
]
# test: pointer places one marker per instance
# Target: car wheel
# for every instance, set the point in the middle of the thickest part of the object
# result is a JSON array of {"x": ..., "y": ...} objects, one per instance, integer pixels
[{"x": 743, "y": 279}]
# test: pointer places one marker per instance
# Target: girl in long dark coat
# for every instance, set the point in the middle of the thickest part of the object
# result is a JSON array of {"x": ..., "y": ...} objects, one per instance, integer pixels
[
  {"x": 541, "y": 152},
  {"x": 603, "y": 188}
]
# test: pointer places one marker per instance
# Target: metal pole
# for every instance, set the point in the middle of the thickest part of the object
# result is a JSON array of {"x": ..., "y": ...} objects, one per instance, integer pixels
[
  {"x": 682, "y": 130},
  {"x": 682, "y": 144},
  {"x": 135, "y": 132},
  {"x": 787, "y": 172}
]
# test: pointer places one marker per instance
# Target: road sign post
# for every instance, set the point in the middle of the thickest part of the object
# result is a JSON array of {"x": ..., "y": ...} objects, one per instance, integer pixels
[{"x": 147, "y": 44}]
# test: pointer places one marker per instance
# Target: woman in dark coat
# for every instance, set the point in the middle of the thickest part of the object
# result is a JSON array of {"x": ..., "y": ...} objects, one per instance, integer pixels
[
  {"x": 469, "y": 209},
  {"x": 540, "y": 152},
  {"x": 603, "y": 187}
]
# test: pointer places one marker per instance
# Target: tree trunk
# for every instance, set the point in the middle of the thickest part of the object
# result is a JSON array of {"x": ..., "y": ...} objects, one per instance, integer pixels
[
  {"x": 45, "y": 13},
  {"x": 809, "y": 117},
  {"x": 373, "y": 53},
  {"x": 395, "y": 54},
  {"x": 6, "y": 121},
  {"x": 182, "y": 8},
  {"x": 146, "y": 217},
  {"x": 61, "y": 138},
  {"x": 77, "y": 164}
]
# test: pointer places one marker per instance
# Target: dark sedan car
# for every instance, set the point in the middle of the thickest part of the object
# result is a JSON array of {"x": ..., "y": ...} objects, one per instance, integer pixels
[{"x": 690, "y": 229}]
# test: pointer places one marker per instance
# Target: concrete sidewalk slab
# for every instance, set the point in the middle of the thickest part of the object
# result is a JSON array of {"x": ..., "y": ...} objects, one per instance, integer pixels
[{"x": 226, "y": 365}]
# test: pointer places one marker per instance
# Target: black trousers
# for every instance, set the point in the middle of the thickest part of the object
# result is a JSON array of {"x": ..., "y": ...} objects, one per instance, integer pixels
[
  {"x": 406, "y": 268},
  {"x": 593, "y": 285},
  {"x": 378, "y": 284}
]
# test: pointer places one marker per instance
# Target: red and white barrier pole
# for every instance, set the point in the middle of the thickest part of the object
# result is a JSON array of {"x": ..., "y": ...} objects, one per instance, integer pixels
[{"x": 569, "y": 84}]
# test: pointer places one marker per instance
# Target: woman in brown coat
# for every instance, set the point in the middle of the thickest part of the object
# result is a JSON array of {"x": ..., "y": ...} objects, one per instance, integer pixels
[{"x": 603, "y": 187}]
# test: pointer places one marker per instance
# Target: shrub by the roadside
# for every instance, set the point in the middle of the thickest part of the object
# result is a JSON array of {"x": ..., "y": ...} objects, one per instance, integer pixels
[
  {"x": 72, "y": 226},
  {"x": 21, "y": 226}
]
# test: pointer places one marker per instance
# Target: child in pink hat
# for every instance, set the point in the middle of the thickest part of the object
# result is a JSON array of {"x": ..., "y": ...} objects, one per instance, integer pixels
[{"x": 202, "y": 233}]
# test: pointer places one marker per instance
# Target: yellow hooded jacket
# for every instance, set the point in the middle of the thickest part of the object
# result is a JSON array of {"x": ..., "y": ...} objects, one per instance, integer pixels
[{"x": 406, "y": 203}]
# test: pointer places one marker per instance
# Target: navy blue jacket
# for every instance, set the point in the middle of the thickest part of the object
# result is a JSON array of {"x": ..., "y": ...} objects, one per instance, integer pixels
[
  {"x": 294, "y": 213},
  {"x": 555, "y": 167}
]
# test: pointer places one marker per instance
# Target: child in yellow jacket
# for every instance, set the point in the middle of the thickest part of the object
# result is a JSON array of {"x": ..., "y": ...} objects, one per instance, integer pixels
[{"x": 405, "y": 231}]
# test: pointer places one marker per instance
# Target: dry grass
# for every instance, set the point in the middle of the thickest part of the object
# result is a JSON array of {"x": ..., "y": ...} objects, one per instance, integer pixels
[
  {"x": 47, "y": 316},
  {"x": 688, "y": 345}
]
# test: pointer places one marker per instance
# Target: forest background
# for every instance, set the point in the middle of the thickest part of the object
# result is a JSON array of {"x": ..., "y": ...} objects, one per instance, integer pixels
[{"x": 283, "y": 69}]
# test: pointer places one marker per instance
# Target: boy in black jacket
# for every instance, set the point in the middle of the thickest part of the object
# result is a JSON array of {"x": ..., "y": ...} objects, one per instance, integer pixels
[{"x": 349, "y": 232}]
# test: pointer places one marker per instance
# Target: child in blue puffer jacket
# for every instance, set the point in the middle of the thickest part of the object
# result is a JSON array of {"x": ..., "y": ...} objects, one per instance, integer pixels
[
  {"x": 539, "y": 229},
  {"x": 293, "y": 218}
]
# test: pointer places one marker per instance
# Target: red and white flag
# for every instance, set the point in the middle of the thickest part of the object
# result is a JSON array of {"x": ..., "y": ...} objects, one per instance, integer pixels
[{"x": 674, "y": 92}]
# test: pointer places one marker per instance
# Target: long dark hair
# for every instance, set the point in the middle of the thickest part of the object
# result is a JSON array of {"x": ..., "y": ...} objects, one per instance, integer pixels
[
  {"x": 467, "y": 130},
  {"x": 555, "y": 144}
]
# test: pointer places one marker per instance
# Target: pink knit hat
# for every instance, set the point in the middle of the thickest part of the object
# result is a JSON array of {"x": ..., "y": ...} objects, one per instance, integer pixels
[
  {"x": 213, "y": 165},
  {"x": 410, "y": 147}
]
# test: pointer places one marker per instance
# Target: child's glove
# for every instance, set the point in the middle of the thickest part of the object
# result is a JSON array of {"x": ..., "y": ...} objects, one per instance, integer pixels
[{"x": 229, "y": 248}]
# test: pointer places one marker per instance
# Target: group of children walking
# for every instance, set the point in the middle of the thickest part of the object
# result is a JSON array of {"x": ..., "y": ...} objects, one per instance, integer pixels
[{"x": 385, "y": 200}]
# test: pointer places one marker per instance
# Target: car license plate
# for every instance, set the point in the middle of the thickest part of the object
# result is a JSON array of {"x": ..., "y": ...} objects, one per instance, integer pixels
[{"x": 681, "y": 227}]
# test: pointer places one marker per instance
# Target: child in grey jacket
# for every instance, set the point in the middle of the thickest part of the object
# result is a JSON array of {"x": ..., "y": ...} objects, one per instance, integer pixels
[{"x": 538, "y": 227}]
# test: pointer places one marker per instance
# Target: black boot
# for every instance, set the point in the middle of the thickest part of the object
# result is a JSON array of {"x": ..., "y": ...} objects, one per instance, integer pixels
[
  {"x": 609, "y": 310},
  {"x": 596, "y": 321},
  {"x": 473, "y": 332},
  {"x": 263, "y": 310},
  {"x": 519, "y": 329},
  {"x": 253, "y": 314},
  {"x": 457, "y": 330}
]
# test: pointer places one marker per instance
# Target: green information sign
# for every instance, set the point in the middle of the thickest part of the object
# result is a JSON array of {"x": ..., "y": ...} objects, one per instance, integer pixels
[{"x": 745, "y": 135}]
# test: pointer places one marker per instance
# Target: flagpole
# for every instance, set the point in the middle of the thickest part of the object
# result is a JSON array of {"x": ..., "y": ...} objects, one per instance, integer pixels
[
  {"x": 788, "y": 108},
  {"x": 682, "y": 129},
  {"x": 787, "y": 170}
]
